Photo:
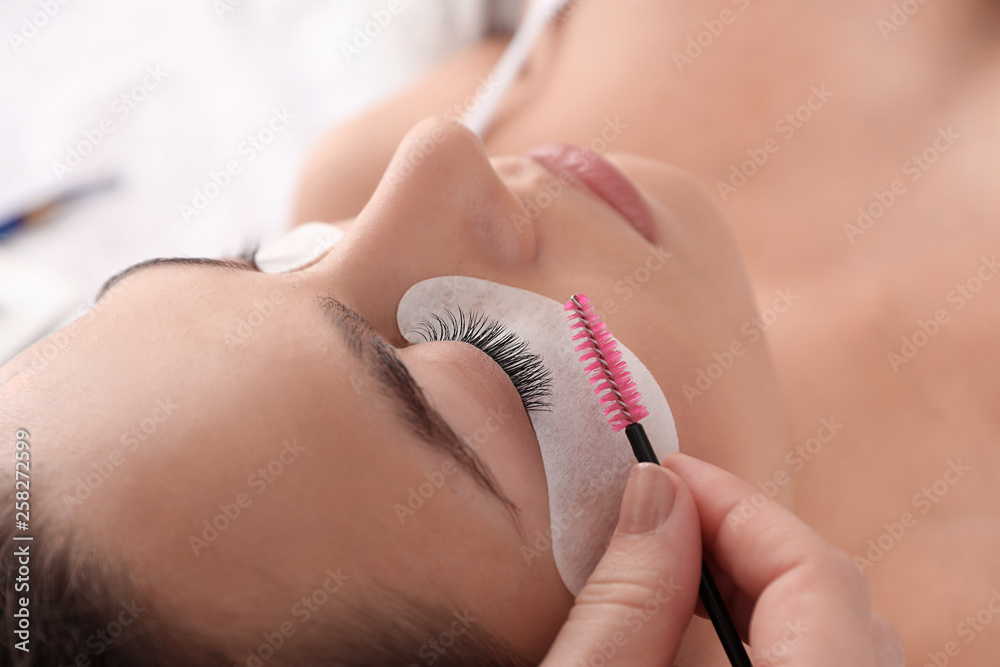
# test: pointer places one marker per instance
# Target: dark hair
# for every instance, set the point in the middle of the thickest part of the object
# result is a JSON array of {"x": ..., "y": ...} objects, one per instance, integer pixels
[{"x": 81, "y": 603}]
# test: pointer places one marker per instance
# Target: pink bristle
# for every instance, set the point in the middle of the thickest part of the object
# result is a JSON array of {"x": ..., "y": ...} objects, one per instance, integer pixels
[{"x": 609, "y": 375}]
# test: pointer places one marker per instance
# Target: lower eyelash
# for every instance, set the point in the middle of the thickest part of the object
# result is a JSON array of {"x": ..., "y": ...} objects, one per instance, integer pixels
[{"x": 530, "y": 376}]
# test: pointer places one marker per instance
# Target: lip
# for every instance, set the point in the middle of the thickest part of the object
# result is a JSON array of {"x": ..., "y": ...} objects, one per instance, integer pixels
[{"x": 601, "y": 178}]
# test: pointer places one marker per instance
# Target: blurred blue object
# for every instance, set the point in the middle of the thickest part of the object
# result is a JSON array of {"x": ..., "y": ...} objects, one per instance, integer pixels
[{"x": 47, "y": 205}]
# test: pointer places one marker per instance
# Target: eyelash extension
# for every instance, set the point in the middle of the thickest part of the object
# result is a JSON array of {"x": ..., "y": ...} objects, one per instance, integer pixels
[{"x": 531, "y": 378}]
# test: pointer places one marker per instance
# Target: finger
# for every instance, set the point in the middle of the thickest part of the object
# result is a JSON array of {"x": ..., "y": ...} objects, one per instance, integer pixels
[
  {"x": 810, "y": 604},
  {"x": 636, "y": 604},
  {"x": 728, "y": 592}
]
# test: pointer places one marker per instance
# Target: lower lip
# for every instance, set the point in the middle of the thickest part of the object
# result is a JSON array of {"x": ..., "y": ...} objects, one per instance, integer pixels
[{"x": 602, "y": 179}]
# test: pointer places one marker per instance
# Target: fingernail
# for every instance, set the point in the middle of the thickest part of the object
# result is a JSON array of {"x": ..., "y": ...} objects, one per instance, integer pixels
[{"x": 648, "y": 499}]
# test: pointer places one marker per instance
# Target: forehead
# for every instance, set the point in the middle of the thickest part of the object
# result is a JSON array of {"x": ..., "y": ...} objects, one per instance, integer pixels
[
  {"x": 212, "y": 311},
  {"x": 166, "y": 357},
  {"x": 188, "y": 387}
]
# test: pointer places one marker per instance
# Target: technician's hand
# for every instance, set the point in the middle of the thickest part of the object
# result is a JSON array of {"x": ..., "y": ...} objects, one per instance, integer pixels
[{"x": 640, "y": 598}]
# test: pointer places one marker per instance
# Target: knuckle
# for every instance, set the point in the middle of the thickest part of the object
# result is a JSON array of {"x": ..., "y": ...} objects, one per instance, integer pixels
[{"x": 624, "y": 594}]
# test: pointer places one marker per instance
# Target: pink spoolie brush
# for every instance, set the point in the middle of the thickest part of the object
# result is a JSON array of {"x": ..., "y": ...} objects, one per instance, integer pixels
[
  {"x": 609, "y": 376},
  {"x": 623, "y": 408}
]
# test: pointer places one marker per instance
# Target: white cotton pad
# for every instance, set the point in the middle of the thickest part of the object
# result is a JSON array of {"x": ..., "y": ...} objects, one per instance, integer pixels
[{"x": 586, "y": 463}]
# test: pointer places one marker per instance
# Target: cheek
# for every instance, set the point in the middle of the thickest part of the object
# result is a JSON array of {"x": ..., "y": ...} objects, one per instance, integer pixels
[{"x": 528, "y": 601}]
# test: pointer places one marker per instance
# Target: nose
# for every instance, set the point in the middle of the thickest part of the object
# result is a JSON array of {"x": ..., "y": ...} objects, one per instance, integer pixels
[{"x": 440, "y": 209}]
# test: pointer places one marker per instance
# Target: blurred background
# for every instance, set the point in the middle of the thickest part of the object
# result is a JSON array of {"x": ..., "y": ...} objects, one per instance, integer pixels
[{"x": 186, "y": 122}]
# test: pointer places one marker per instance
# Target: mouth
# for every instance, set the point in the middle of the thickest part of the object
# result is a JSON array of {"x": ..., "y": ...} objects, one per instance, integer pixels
[{"x": 602, "y": 179}]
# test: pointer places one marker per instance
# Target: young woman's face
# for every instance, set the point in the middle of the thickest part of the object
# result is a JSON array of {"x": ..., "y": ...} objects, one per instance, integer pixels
[{"x": 221, "y": 428}]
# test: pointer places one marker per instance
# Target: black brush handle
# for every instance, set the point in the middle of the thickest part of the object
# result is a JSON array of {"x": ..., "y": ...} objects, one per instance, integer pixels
[{"x": 708, "y": 591}]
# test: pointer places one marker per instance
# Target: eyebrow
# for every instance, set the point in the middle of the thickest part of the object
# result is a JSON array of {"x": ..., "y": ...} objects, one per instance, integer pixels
[
  {"x": 161, "y": 261},
  {"x": 412, "y": 407}
]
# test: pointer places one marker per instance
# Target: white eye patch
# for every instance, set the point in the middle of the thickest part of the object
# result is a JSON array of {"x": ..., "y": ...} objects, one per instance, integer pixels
[
  {"x": 298, "y": 247},
  {"x": 586, "y": 463}
]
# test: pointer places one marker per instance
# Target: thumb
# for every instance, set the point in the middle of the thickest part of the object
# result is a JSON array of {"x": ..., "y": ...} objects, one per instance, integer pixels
[{"x": 637, "y": 603}]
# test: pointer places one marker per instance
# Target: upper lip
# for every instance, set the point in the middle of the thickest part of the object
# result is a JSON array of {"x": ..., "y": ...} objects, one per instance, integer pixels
[{"x": 601, "y": 178}]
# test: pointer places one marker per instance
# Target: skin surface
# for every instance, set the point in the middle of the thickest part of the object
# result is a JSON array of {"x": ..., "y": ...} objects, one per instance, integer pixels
[
  {"x": 291, "y": 377},
  {"x": 169, "y": 329},
  {"x": 904, "y": 425}
]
